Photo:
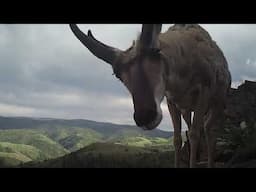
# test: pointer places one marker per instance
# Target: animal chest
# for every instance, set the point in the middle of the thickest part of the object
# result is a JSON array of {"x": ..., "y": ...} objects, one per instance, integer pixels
[{"x": 183, "y": 93}]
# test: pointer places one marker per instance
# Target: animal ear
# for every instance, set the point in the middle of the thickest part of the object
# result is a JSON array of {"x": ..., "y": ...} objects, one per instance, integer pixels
[{"x": 149, "y": 36}]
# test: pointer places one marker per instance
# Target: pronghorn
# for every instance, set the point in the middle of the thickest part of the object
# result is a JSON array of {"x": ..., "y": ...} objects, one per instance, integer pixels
[{"x": 184, "y": 65}]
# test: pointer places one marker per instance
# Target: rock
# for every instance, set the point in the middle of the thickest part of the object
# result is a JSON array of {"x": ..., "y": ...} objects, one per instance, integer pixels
[
  {"x": 243, "y": 125},
  {"x": 240, "y": 116},
  {"x": 241, "y": 105}
]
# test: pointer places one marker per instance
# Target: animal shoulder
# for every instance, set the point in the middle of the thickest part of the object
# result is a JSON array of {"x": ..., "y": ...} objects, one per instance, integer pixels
[
  {"x": 190, "y": 42},
  {"x": 185, "y": 32}
]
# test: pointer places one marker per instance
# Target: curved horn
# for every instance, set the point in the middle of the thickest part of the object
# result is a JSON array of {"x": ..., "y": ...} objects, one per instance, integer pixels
[
  {"x": 100, "y": 50},
  {"x": 149, "y": 34}
]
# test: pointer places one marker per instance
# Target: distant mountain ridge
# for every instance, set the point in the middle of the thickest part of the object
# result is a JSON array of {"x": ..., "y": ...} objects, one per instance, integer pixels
[{"x": 104, "y": 128}]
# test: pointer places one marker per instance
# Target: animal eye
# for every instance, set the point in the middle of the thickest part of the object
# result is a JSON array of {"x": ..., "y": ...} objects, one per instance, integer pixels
[
  {"x": 117, "y": 74},
  {"x": 117, "y": 70}
]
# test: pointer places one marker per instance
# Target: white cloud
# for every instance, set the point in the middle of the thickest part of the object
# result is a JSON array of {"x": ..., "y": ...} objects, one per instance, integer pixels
[
  {"x": 235, "y": 84},
  {"x": 248, "y": 61},
  {"x": 12, "y": 110},
  {"x": 245, "y": 77},
  {"x": 251, "y": 63}
]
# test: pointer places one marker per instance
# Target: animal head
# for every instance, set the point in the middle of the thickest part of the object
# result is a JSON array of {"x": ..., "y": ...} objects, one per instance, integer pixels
[{"x": 140, "y": 68}]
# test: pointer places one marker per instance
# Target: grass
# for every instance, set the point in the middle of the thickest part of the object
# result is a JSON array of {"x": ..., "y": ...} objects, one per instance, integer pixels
[
  {"x": 18, "y": 156},
  {"x": 154, "y": 143},
  {"x": 110, "y": 155},
  {"x": 28, "y": 151},
  {"x": 75, "y": 138},
  {"x": 82, "y": 147},
  {"x": 32, "y": 143}
]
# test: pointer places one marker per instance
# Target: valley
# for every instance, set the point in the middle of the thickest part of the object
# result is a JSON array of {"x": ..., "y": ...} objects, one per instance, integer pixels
[{"x": 30, "y": 140}]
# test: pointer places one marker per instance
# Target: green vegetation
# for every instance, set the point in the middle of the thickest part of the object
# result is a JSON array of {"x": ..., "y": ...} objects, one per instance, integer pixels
[
  {"x": 150, "y": 142},
  {"x": 36, "y": 138},
  {"x": 35, "y": 146},
  {"x": 61, "y": 139},
  {"x": 30, "y": 152},
  {"x": 110, "y": 155},
  {"x": 237, "y": 144},
  {"x": 74, "y": 138}
]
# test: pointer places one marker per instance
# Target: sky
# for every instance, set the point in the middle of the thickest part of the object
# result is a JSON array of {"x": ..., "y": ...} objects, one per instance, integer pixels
[{"x": 46, "y": 72}]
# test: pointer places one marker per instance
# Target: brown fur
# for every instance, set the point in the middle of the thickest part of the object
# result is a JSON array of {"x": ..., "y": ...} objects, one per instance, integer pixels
[{"x": 183, "y": 64}]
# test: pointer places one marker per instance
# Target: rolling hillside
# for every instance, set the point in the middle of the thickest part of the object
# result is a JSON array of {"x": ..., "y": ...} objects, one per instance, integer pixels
[
  {"x": 28, "y": 139},
  {"x": 110, "y": 155}
]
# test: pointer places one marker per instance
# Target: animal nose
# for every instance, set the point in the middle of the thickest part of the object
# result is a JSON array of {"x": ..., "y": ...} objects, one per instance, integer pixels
[{"x": 144, "y": 117}]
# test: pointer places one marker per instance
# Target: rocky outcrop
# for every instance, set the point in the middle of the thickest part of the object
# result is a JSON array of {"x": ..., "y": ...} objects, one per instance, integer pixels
[
  {"x": 241, "y": 106},
  {"x": 238, "y": 137}
]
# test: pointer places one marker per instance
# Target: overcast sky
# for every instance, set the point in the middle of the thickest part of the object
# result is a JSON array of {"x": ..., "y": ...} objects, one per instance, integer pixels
[{"x": 46, "y": 72}]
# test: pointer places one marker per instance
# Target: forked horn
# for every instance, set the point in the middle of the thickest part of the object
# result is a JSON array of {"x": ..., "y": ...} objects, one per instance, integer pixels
[
  {"x": 97, "y": 48},
  {"x": 149, "y": 36}
]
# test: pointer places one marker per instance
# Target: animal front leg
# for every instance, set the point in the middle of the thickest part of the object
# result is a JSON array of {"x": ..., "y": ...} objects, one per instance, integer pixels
[
  {"x": 186, "y": 114},
  {"x": 177, "y": 141},
  {"x": 194, "y": 136},
  {"x": 214, "y": 121},
  {"x": 197, "y": 126}
]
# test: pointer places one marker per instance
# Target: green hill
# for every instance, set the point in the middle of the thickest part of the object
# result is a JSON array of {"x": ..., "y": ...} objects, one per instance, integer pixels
[
  {"x": 29, "y": 139},
  {"x": 24, "y": 145},
  {"x": 31, "y": 152},
  {"x": 14, "y": 154},
  {"x": 73, "y": 138},
  {"x": 110, "y": 155},
  {"x": 18, "y": 146}
]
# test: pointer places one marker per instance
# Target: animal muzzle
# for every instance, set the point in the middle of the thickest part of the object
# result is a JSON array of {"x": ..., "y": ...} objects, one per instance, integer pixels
[{"x": 147, "y": 120}]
